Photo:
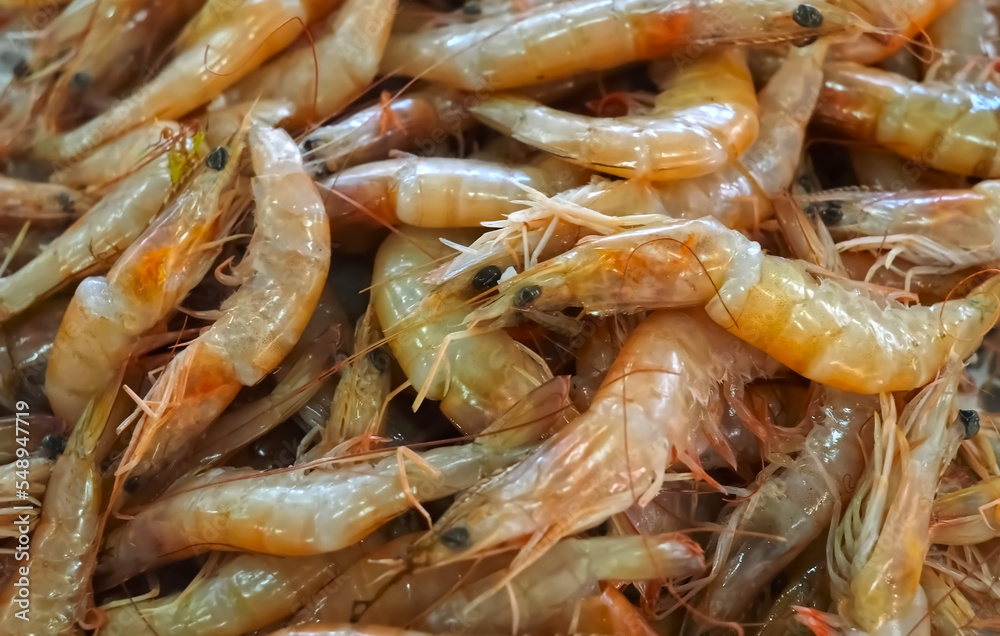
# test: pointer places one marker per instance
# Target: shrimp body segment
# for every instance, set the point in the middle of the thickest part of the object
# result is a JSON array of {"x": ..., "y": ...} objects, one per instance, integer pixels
[
  {"x": 951, "y": 127},
  {"x": 818, "y": 328},
  {"x": 704, "y": 118},
  {"x": 568, "y": 38},
  {"x": 968, "y": 516},
  {"x": 284, "y": 273}
]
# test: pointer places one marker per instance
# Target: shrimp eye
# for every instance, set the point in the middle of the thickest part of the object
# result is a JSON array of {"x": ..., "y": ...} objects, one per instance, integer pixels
[
  {"x": 970, "y": 420},
  {"x": 217, "y": 159},
  {"x": 455, "y": 538},
  {"x": 310, "y": 144},
  {"x": 21, "y": 69},
  {"x": 807, "y": 16},
  {"x": 53, "y": 445},
  {"x": 526, "y": 295},
  {"x": 66, "y": 203},
  {"x": 486, "y": 278},
  {"x": 379, "y": 359},
  {"x": 132, "y": 483},
  {"x": 79, "y": 81},
  {"x": 830, "y": 212}
]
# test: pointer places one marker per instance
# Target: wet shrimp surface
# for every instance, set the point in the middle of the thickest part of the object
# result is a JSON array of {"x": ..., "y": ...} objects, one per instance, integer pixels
[{"x": 403, "y": 317}]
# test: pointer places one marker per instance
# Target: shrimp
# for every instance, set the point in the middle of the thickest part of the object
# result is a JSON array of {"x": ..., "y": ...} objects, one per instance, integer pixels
[
  {"x": 808, "y": 586},
  {"x": 886, "y": 171},
  {"x": 795, "y": 505},
  {"x": 42, "y": 204},
  {"x": 222, "y": 47},
  {"x": 878, "y": 550},
  {"x": 433, "y": 192},
  {"x": 469, "y": 386},
  {"x": 967, "y": 516},
  {"x": 95, "y": 240},
  {"x": 570, "y": 570},
  {"x": 568, "y": 38},
  {"x": 233, "y": 509},
  {"x": 283, "y": 273},
  {"x": 965, "y": 32},
  {"x": 773, "y": 304},
  {"x": 109, "y": 314},
  {"x": 345, "y": 629},
  {"x": 661, "y": 395},
  {"x": 704, "y": 118},
  {"x": 951, "y": 611},
  {"x": 64, "y": 547},
  {"x": 25, "y": 344},
  {"x": 879, "y": 107},
  {"x": 247, "y": 592},
  {"x": 310, "y": 84},
  {"x": 902, "y": 21}
]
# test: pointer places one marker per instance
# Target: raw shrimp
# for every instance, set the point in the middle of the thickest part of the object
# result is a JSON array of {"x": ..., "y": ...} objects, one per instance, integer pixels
[
  {"x": 344, "y": 61},
  {"x": 564, "y": 39},
  {"x": 808, "y": 586},
  {"x": 25, "y": 344},
  {"x": 570, "y": 570},
  {"x": 95, "y": 240},
  {"x": 433, "y": 192},
  {"x": 480, "y": 376},
  {"x": 223, "y": 45},
  {"x": 899, "y": 20},
  {"x": 946, "y": 126},
  {"x": 965, "y": 34},
  {"x": 967, "y": 516},
  {"x": 64, "y": 546},
  {"x": 248, "y": 592},
  {"x": 283, "y": 275},
  {"x": 61, "y": 34},
  {"x": 109, "y": 314},
  {"x": 772, "y": 303},
  {"x": 885, "y": 171},
  {"x": 878, "y": 550},
  {"x": 233, "y": 509},
  {"x": 792, "y": 508},
  {"x": 661, "y": 395},
  {"x": 40, "y": 203},
  {"x": 345, "y": 629},
  {"x": 704, "y": 118}
]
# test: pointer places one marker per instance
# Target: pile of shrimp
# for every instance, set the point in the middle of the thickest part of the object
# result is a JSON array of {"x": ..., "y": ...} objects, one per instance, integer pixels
[{"x": 400, "y": 317}]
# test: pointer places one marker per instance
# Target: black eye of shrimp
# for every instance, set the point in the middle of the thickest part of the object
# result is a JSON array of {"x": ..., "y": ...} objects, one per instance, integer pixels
[
  {"x": 807, "y": 16},
  {"x": 380, "y": 359},
  {"x": 455, "y": 538},
  {"x": 132, "y": 484},
  {"x": 527, "y": 295},
  {"x": 79, "y": 81},
  {"x": 21, "y": 69},
  {"x": 54, "y": 445},
  {"x": 970, "y": 420},
  {"x": 66, "y": 203},
  {"x": 217, "y": 159},
  {"x": 830, "y": 212},
  {"x": 486, "y": 278}
]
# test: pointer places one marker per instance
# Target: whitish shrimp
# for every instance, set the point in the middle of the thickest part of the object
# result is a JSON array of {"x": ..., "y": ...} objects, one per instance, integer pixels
[
  {"x": 793, "y": 507},
  {"x": 312, "y": 83},
  {"x": 967, "y": 516},
  {"x": 661, "y": 395},
  {"x": 965, "y": 34},
  {"x": 466, "y": 382},
  {"x": 900, "y": 21},
  {"x": 564, "y": 39},
  {"x": 223, "y": 45},
  {"x": 569, "y": 571},
  {"x": 247, "y": 592},
  {"x": 40, "y": 203},
  {"x": 704, "y": 117},
  {"x": 772, "y": 303},
  {"x": 109, "y": 314},
  {"x": 94, "y": 241},
  {"x": 233, "y": 509},
  {"x": 431, "y": 192},
  {"x": 876, "y": 106},
  {"x": 283, "y": 273},
  {"x": 878, "y": 551},
  {"x": 64, "y": 546}
]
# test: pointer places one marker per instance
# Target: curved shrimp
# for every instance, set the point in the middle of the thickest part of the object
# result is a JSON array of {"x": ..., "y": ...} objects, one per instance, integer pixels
[
  {"x": 233, "y": 509},
  {"x": 95, "y": 240},
  {"x": 967, "y": 516},
  {"x": 64, "y": 547},
  {"x": 109, "y": 314},
  {"x": 795, "y": 505},
  {"x": 568, "y": 38},
  {"x": 661, "y": 395},
  {"x": 961, "y": 135},
  {"x": 903, "y": 20},
  {"x": 878, "y": 550},
  {"x": 433, "y": 192},
  {"x": 223, "y": 45},
  {"x": 468, "y": 385},
  {"x": 343, "y": 60},
  {"x": 704, "y": 118},
  {"x": 247, "y": 592},
  {"x": 283, "y": 273},
  {"x": 772, "y": 303}
]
